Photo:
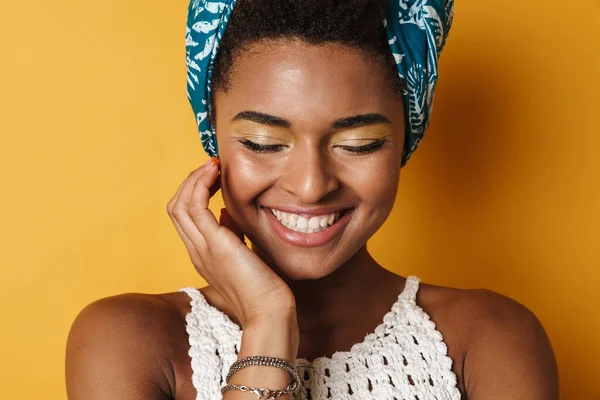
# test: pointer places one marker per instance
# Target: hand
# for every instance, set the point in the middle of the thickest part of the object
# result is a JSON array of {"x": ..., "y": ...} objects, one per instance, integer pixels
[{"x": 252, "y": 290}]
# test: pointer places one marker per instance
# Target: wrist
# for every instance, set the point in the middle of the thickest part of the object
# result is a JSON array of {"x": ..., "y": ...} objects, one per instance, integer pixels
[
  {"x": 278, "y": 319},
  {"x": 272, "y": 337}
]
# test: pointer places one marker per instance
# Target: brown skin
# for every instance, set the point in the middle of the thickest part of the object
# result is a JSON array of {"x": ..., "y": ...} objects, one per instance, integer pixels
[
  {"x": 138, "y": 342},
  {"x": 311, "y": 169},
  {"x": 320, "y": 277}
]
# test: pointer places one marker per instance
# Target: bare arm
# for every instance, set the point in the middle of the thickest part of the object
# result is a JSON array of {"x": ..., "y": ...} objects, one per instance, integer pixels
[
  {"x": 511, "y": 356},
  {"x": 112, "y": 351},
  {"x": 260, "y": 299},
  {"x": 276, "y": 336}
]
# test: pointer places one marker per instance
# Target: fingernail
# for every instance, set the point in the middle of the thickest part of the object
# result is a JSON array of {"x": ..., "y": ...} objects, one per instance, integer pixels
[
  {"x": 216, "y": 161},
  {"x": 206, "y": 163}
]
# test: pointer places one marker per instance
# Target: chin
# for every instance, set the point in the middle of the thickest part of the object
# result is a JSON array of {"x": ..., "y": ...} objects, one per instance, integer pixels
[
  {"x": 299, "y": 266},
  {"x": 296, "y": 274},
  {"x": 304, "y": 272}
]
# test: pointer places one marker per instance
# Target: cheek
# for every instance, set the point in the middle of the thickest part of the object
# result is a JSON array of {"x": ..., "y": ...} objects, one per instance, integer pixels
[
  {"x": 377, "y": 185},
  {"x": 241, "y": 179},
  {"x": 376, "y": 190}
]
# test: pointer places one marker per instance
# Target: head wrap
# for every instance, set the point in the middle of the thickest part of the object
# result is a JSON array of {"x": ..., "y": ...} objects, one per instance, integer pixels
[{"x": 416, "y": 30}]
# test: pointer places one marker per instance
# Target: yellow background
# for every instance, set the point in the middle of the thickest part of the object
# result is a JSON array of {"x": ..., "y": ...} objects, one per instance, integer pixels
[{"x": 97, "y": 135}]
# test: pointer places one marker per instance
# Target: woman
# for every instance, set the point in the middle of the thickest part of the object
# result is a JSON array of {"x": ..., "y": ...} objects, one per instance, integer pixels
[{"x": 316, "y": 107}]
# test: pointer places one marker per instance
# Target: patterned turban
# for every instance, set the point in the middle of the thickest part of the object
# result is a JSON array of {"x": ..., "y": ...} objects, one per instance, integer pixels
[{"x": 417, "y": 31}]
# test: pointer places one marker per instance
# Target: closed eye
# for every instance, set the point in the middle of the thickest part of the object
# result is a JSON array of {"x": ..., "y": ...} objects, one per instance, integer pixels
[
  {"x": 262, "y": 148},
  {"x": 367, "y": 148},
  {"x": 272, "y": 148}
]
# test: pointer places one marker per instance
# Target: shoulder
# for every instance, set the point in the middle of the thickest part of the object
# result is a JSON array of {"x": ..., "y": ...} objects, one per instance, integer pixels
[
  {"x": 478, "y": 314},
  {"x": 134, "y": 316},
  {"x": 498, "y": 341},
  {"x": 130, "y": 340},
  {"x": 477, "y": 309}
]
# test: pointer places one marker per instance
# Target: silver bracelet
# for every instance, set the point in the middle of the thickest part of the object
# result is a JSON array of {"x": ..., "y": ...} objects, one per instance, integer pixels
[{"x": 262, "y": 393}]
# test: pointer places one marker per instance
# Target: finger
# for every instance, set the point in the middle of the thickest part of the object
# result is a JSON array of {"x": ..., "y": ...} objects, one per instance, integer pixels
[
  {"x": 228, "y": 222},
  {"x": 193, "y": 215},
  {"x": 204, "y": 220},
  {"x": 197, "y": 203},
  {"x": 215, "y": 186},
  {"x": 177, "y": 211},
  {"x": 193, "y": 249},
  {"x": 189, "y": 229},
  {"x": 191, "y": 176}
]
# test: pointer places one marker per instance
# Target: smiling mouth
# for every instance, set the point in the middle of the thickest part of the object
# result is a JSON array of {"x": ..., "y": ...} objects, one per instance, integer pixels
[{"x": 306, "y": 224}]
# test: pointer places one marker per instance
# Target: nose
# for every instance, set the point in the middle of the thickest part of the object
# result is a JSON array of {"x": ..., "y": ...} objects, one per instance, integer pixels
[{"x": 309, "y": 175}]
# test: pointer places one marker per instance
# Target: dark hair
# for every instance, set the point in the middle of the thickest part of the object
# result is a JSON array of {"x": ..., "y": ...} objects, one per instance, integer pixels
[{"x": 355, "y": 23}]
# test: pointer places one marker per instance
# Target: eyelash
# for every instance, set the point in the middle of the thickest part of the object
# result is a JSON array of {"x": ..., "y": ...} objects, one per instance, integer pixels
[
  {"x": 367, "y": 148},
  {"x": 272, "y": 148},
  {"x": 262, "y": 148}
]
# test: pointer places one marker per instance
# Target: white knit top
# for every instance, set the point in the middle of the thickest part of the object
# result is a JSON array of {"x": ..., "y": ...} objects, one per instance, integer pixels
[{"x": 404, "y": 359}]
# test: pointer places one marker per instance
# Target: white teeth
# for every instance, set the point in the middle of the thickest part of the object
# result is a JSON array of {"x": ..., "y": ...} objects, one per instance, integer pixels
[
  {"x": 292, "y": 220},
  {"x": 314, "y": 223},
  {"x": 303, "y": 224}
]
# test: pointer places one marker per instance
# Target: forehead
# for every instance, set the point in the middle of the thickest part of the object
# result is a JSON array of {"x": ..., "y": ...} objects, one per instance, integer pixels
[{"x": 298, "y": 80}]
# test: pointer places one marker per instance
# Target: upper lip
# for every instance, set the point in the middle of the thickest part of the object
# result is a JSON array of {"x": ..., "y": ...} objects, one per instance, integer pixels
[{"x": 321, "y": 210}]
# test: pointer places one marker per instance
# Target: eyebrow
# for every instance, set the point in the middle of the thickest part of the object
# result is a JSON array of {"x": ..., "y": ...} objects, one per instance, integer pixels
[
  {"x": 360, "y": 120},
  {"x": 355, "y": 121},
  {"x": 263, "y": 119}
]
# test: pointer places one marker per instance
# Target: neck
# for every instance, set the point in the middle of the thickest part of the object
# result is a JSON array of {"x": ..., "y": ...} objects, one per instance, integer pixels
[
  {"x": 335, "y": 312},
  {"x": 338, "y": 299}
]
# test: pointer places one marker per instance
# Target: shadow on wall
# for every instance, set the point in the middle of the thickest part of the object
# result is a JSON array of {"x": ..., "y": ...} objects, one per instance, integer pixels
[
  {"x": 455, "y": 178},
  {"x": 477, "y": 169},
  {"x": 465, "y": 184},
  {"x": 466, "y": 164},
  {"x": 477, "y": 193}
]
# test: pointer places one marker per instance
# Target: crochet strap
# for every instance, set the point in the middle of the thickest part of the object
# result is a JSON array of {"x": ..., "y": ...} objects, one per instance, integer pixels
[
  {"x": 405, "y": 357},
  {"x": 411, "y": 287},
  {"x": 194, "y": 294}
]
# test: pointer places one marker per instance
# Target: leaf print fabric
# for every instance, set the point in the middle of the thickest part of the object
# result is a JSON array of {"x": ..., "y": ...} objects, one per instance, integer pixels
[
  {"x": 417, "y": 31},
  {"x": 206, "y": 23}
]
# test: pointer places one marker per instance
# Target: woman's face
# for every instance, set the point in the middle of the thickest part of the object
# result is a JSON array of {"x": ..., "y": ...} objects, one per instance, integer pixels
[{"x": 310, "y": 139}]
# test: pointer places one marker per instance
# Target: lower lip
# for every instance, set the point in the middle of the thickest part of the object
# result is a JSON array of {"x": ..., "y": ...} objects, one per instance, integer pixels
[{"x": 308, "y": 239}]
